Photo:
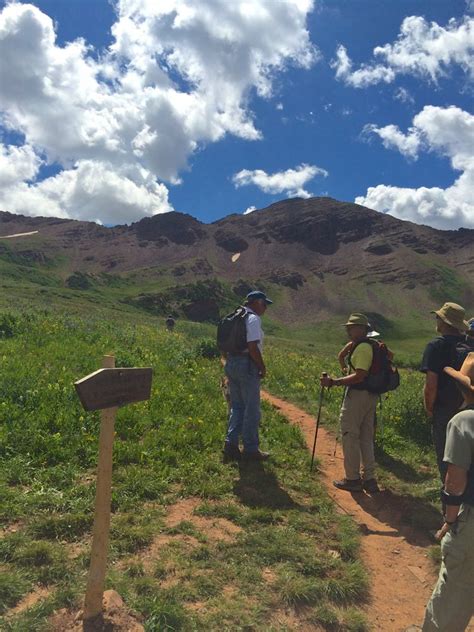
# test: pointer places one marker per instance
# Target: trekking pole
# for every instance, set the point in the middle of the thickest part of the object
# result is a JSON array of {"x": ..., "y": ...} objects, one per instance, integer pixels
[
  {"x": 338, "y": 432},
  {"x": 317, "y": 423}
]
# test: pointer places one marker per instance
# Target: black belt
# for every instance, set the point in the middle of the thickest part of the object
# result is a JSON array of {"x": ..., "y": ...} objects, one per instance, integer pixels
[{"x": 237, "y": 355}]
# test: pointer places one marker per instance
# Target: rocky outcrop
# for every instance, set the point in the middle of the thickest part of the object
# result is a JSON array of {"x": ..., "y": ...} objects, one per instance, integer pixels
[
  {"x": 230, "y": 241},
  {"x": 379, "y": 248},
  {"x": 177, "y": 228},
  {"x": 288, "y": 278}
]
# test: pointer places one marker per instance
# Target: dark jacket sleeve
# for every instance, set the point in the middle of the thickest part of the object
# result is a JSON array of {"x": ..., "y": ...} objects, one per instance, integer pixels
[{"x": 433, "y": 357}]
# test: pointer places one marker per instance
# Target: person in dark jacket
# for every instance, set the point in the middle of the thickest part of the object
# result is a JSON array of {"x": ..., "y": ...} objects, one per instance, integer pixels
[{"x": 441, "y": 396}]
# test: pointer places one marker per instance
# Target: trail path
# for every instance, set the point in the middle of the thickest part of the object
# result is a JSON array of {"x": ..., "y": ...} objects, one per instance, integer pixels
[{"x": 395, "y": 555}]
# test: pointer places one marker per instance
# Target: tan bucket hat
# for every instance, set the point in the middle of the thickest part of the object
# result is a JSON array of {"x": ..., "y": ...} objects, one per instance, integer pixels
[
  {"x": 465, "y": 376},
  {"x": 452, "y": 314},
  {"x": 358, "y": 319}
]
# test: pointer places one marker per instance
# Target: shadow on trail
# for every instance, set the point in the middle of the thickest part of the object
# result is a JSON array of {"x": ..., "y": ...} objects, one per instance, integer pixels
[
  {"x": 258, "y": 487},
  {"x": 403, "y": 471},
  {"x": 409, "y": 517}
]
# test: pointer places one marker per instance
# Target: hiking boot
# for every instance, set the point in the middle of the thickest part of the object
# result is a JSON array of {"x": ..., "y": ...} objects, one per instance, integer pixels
[
  {"x": 349, "y": 485},
  {"x": 371, "y": 486},
  {"x": 255, "y": 456},
  {"x": 231, "y": 453}
]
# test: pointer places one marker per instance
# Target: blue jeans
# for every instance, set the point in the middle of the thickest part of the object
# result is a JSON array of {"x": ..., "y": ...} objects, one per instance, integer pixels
[{"x": 244, "y": 385}]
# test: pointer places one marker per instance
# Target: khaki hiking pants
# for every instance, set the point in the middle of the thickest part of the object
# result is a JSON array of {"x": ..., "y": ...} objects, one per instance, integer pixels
[
  {"x": 452, "y": 603},
  {"x": 357, "y": 432}
]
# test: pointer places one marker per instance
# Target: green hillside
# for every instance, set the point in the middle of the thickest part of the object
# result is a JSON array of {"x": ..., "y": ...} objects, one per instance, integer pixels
[{"x": 167, "y": 457}]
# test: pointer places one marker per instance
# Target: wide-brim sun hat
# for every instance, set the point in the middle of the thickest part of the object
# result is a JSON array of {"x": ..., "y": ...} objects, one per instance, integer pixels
[
  {"x": 465, "y": 376},
  {"x": 358, "y": 319},
  {"x": 452, "y": 314}
]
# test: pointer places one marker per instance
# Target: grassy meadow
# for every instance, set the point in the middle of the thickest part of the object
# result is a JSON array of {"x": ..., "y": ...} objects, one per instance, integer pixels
[{"x": 194, "y": 544}]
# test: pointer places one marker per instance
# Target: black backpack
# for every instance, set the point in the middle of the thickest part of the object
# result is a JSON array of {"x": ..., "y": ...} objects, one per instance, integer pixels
[
  {"x": 232, "y": 332},
  {"x": 457, "y": 353},
  {"x": 454, "y": 354},
  {"x": 383, "y": 376}
]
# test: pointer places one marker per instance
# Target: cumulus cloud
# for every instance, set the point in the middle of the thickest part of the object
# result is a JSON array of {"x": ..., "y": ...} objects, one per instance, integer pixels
[
  {"x": 17, "y": 164},
  {"x": 90, "y": 191},
  {"x": 393, "y": 138},
  {"x": 424, "y": 49},
  {"x": 291, "y": 182},
  {"x": 177, "y": 76},
  {"x": 449, "y": 132},
  {"x": 250, "y": 209}
]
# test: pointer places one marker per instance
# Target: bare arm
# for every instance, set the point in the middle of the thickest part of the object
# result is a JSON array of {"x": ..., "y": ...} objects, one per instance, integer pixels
[
  {"x": 353, "y": 378},
  {"x": 430, "y": 390},
  {"x": 256, "y": 356},
  {"x": 341, "y": 356},
  {"x": 454, "y": 484}
]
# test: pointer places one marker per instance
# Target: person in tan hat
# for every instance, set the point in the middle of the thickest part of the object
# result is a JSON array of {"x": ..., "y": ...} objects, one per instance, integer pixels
[
  {"x": 357, "y": 416},
  {"x": 452, "y": 603},
  {"x": 441, "y": 397}
]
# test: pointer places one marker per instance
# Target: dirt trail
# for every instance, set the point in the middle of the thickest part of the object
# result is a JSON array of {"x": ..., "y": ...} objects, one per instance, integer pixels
[{"x": 395, "y": 555}]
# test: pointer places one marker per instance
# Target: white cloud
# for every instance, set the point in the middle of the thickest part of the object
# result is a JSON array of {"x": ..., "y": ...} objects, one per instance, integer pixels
[
  {"x": 250, "y": 209},
  {"x": 91, "y": 191},
  {"x": 17, "y": 164},
  {"x": 177, "y": 76},
  {"x": 424, "y": 49},
  {"x": 290, "y": 182},
  {"x": 403, "y": 95},
  {"x": 449, "y": 132},
  {"x": 393, "y": 138}
]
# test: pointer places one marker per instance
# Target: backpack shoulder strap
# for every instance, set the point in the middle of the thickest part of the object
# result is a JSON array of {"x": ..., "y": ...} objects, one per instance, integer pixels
[{"x": 359, "y": 342}]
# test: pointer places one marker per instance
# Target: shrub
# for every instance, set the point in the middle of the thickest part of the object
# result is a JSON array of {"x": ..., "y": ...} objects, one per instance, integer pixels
[
  {"x": 9, "y": 325},
  {"x": 207, "y": 348}
]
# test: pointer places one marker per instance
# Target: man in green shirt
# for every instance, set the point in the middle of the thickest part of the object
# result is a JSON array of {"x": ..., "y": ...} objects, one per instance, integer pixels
[
  {"x": 452, "y": 603},
  {"x": 357, "y": 416}
]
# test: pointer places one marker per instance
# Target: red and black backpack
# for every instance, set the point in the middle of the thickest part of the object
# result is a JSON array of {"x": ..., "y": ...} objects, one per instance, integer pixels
[{"x": 383, "y": 376}]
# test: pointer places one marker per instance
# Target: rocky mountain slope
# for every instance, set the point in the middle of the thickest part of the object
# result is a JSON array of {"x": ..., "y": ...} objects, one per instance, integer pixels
[{"x": 318, "y": 257}]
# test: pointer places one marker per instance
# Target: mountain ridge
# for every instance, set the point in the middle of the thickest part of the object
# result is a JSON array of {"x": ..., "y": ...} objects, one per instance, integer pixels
[{"x": 318, "y": 256}]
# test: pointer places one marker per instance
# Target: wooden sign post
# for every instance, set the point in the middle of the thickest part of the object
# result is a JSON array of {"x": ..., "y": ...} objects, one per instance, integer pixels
[{"x": 106, "y": 390}]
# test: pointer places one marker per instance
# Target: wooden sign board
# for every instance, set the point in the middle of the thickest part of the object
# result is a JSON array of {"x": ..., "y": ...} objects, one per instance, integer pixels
[{"x": 107, "y": 388}]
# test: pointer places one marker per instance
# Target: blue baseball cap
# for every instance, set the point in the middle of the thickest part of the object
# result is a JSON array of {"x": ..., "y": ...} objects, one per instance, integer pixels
[{"x": 257, "y": 295}]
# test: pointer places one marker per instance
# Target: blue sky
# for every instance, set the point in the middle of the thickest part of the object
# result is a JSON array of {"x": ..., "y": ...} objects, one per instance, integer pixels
[{"x": 210, "y": 110}]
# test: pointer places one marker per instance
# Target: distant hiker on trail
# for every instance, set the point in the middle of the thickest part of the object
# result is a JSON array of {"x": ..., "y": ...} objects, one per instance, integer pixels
[
  {"x": 170, "y": 323},
  {"x": 452, "y": 603},
  {"x": 357, "y": 416},
  {"x": 441, "y": 396},
  {"x": 240, "y": 339}
]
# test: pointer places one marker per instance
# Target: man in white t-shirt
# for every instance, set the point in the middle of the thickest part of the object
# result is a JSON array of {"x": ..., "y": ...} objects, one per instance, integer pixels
[{"x": 244, "y": 371}]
